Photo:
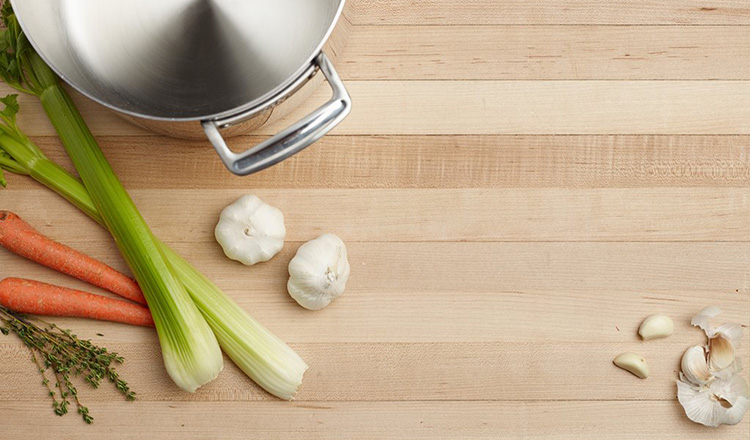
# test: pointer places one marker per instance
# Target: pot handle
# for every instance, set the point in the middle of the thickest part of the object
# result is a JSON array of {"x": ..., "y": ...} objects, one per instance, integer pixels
[{"x": 294, "y": 138}]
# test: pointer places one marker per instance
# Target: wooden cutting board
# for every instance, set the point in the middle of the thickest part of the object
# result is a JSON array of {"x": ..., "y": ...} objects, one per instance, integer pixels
[{"x": 519, "y": 184}]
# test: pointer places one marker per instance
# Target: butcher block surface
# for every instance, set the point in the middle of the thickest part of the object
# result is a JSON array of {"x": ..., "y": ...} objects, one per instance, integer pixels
[{"x": 519, "y": 185}]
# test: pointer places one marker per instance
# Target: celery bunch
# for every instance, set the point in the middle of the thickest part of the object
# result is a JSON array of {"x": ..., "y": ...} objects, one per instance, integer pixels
[{"x": 191, "y": 313}]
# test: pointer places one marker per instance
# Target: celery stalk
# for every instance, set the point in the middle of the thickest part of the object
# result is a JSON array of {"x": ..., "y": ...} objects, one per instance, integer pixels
[
  {"x": 190, "y": 350},
  {"x": 261, "y": 355}
]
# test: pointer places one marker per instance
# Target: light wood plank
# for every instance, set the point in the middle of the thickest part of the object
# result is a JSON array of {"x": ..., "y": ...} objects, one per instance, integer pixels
[
  {"x": 542, "y": 107},
  {"x": 504, "y": 107},
  {"x": 436, "y": 162},
  {"x": 500, "y": 214},
  {"x": 600, "y": 316},
  {"x": 493, "y": 259},
  {"x": 421, "y": 268},
  {"x": 409, "y": 314},
  {"x": 382, "y": 420},
  {"x": 397, "y": 372},
  {"x": 536, "y": 12},
  {"x": 546, "y": 52}
]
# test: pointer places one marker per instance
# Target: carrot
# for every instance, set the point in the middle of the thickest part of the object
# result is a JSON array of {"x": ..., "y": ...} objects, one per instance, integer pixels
[
  {"x": 19, "y": 237},
  {"x": 37, "y": 298}
]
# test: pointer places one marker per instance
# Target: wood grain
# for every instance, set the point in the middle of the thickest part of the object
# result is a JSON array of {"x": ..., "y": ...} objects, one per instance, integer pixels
[
  {"x": 550, "y": 12},
  {"x": 503, "y": 107},
  {"x": 605, "y": 315},
  {"x": 519, "y": 185},
  {"x": 390, "y": 268},
  {"x": 547, "y": 52},
  {"x": 438, "y": 162},
  {"x": 544, "y": 107},
  {"x": 468, "y": 215},
  {"x": 464, "y": 371},
  {"x": 375, "y": 420}
]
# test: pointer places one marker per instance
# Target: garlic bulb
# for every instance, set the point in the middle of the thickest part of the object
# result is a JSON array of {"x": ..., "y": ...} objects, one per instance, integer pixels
[
  {"x": 250, "y": 231},
  {"x": 710, "y": 388},
  {"x": 319, "y": 271}
]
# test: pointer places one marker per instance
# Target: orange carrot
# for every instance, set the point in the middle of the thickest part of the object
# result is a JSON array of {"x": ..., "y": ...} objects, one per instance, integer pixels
[
  {"x": 37, "y": 298},
  {"x": 19, "y": 237}
]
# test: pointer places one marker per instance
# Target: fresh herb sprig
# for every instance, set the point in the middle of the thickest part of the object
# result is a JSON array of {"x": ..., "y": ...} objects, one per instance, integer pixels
[{"x": 60, "y": 354}]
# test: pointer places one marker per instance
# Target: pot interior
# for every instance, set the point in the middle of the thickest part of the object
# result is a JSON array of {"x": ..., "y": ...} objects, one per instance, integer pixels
[{"x": 178, "y": 59}]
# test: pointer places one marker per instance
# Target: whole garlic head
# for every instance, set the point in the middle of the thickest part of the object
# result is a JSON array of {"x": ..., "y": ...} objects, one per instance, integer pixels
[
  {"x": 319, "y": 271},
  {"x": 250, "y": 231}
]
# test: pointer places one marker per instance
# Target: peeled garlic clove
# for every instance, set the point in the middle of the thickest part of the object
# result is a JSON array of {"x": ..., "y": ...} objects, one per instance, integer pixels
[
  {"x": 694, "y": 365},
  {"x": 633, "y": 363},
  {"x": 319, "y": 271},
  {"x": 656, "y": 326}
]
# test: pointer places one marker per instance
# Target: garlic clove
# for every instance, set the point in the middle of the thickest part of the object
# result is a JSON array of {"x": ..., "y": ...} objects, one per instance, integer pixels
[
  {"x": 318, "y": 272},
  {"x": 720, "y": 352},
  {"x": 250, "y": 231},
  {"x": 633, "y": 363},
  {"x": 731, "y": 331},
  {"x": 694, "y": 365},
  {"x": 721, "y": 402},
  {"x": 710, "y": 388},
  {"x": 734, "y": 368},
  {"x": 722, "y": 340},
  {"x": 656, "y": 326}
]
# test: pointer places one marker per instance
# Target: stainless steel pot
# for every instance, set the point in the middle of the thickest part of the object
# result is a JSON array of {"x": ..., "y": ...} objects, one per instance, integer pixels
[{"x": 189, "y": 68}]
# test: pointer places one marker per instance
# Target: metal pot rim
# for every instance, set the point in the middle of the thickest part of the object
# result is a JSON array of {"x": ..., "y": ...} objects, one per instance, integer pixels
[{"x": 253, "y": 106}]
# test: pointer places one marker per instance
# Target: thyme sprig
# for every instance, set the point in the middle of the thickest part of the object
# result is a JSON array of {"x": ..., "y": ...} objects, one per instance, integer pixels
[{"x": 60, "y": 354}]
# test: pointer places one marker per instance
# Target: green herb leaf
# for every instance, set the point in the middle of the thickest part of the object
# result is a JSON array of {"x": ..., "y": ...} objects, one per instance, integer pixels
[{"x": 57, "y": 352}]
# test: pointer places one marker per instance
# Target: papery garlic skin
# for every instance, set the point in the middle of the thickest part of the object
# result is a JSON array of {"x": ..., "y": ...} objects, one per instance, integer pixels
[
  {"x": 722, "y": 340},
  {"x": 702, "y": 317},
  {"x": 250, "y": 231},
  {"x": 721, "y": 402},
  {"x": 721, "y": 346},
  {"x": 319, "y": 272},
  {"x": 710, "y": 388}
]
